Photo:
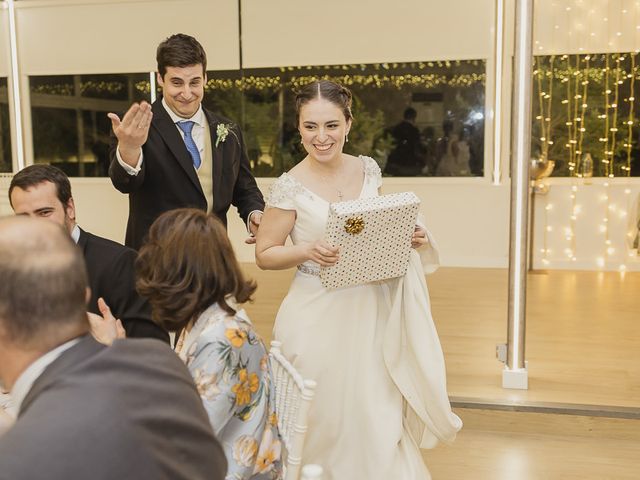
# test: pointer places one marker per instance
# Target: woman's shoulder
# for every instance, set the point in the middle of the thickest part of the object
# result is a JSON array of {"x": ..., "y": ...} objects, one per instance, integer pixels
[
  {"x": 283, "y": 190},
  {"x": 228, "y": 330},
  {"x": 370, "y": 166}
]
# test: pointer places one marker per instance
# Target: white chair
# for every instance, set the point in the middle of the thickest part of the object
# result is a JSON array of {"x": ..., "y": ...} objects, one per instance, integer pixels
[{"x": 293, "y": 400}]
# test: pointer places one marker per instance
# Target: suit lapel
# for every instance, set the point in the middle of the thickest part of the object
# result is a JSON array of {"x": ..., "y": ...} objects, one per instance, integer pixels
[
  {"x": 217, "y": 155},
  {"x": 82, "y": 240},
  {"x": 169, "y": 133}
]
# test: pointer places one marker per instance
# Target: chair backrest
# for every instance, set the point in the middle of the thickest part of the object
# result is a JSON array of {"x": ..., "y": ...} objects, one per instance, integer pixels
[{"x": 293, "y": 400}]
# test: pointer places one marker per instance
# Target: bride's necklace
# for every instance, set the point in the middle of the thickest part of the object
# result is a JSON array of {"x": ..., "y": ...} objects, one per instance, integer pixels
[{"x": 333, "y": 184}]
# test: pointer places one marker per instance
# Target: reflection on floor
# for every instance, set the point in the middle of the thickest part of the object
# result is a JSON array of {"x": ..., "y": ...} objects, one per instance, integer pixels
[
  {"x": 582, "y": 344},
  {"x": 496, "y": 445}
]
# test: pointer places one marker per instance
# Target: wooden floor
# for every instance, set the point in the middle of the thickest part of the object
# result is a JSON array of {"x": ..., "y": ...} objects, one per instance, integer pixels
[
  {"x": 583, "y": 332},
  {"x": 532, "y": 446},
  {"x": 583, "y": 347}
]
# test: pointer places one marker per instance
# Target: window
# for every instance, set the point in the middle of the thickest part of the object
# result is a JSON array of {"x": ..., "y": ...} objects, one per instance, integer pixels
[
  {"x": 443, "y": 134},
  {"x": 69, "y": 117},
  {"x": 584, "y": 114}
]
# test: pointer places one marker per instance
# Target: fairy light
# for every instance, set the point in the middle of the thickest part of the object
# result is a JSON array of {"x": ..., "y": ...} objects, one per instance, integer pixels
[
  {"x": 573, "y": 216},
  {"x": 630, "y": 120},
  {"x": 605, "y": 138},
  {"x": 583, "y": 109},
  {"x": 608, "y": 249},
  {"x": 545, "y": 244},
  {"x": 614, "y": 130}
]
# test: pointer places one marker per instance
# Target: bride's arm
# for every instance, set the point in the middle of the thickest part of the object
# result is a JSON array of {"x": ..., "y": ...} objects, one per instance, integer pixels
[{"x": 273, "y": 254}]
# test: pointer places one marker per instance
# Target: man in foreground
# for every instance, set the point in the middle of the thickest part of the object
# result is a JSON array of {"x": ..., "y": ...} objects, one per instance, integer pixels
[{"x": 86, "y": 410}]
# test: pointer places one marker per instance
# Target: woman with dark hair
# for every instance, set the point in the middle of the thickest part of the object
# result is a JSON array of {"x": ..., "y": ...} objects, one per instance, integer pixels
[
  {"x": 189, "y": 273},
  {"x": 372, "y": 349}
]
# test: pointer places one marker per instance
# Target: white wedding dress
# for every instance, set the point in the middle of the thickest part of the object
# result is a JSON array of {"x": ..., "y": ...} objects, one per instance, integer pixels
[{"x": 373, "y": 351}]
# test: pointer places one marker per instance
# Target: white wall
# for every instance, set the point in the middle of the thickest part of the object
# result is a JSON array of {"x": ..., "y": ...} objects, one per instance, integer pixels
[
  {"x": 117, "y": 36},
  {"x": 308, "y": 32}
]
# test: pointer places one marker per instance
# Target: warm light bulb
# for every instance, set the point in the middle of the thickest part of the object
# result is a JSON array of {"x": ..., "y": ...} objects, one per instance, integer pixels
[
  {"x": 610, "y": 251},
  {"x": 600, "y": 262}
]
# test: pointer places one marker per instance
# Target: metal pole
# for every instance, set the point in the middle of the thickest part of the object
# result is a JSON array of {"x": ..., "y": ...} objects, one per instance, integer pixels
[
  {"x": 497, "y": 111},
  {"x": 515, "y": 372},
  {"x": 16, "y": 86}
]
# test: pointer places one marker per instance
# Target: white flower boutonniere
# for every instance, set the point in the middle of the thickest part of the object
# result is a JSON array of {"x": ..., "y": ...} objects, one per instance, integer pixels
[{"x": 221, "y": 133}]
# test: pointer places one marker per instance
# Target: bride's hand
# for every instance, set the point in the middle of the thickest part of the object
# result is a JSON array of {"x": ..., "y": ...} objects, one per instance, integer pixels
[
  {"x": 322, "y": 253},
  {"x": 419, "y": 238}
]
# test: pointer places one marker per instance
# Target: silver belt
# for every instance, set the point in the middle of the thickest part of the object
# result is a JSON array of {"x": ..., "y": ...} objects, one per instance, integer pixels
[{"x": 309, "y": 270}]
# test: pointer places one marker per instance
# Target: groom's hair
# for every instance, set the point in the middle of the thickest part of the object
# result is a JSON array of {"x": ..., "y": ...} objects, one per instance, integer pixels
[
  {"x": 34, "y": 175},
  {"x": 43, "y": 282},
  {"x": 180, "y": 50}
]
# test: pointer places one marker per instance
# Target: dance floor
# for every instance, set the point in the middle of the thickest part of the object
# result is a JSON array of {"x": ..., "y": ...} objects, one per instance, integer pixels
[
  {"x": 582, "y": 341},
  {"x": 496, "y": 445},
  {"x": 583, "y": 352}
]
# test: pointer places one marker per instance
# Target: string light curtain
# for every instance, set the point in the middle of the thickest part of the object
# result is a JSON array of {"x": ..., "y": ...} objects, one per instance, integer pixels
[{"x": 586, "y": 104}]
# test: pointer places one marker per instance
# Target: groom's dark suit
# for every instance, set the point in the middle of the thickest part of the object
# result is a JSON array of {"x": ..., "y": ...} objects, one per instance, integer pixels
[
  {"x": 167, "y": 179},
  {"x": 129, "y": 411}
]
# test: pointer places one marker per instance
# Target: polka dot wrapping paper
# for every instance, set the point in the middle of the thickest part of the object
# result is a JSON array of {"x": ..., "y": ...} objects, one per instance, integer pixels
[{"x": 374, "y": 236}]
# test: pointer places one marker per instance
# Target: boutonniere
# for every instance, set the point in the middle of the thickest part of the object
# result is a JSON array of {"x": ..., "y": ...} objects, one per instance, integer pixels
[{"x": 222, "y": 132}]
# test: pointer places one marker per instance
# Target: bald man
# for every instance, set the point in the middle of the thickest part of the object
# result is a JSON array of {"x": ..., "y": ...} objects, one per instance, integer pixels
[{"x": 86, "y": 410}]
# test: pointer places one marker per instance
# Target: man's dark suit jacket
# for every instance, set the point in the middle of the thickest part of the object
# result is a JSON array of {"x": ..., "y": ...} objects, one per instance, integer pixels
[
  {"x": 167, "y": 179},
  {"x": 129, "y": 411},
  {"x": 110, "y": 267}
]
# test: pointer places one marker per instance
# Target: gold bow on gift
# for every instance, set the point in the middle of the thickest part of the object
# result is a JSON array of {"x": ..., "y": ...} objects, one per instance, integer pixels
[{"x": 354, "y": 225}]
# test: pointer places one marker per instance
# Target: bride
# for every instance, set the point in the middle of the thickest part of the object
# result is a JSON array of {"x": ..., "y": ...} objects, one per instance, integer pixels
[{"x": 372, "y": 349}]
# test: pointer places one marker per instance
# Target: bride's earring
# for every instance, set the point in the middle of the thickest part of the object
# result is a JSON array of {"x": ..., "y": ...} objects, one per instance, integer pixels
[{"x": 346, "y": 138}]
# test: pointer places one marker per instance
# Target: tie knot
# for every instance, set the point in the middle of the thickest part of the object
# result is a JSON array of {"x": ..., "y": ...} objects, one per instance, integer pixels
[{"x": 186, "y": 126}]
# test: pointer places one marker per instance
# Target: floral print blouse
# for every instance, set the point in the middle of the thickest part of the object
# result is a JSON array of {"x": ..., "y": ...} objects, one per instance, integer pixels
[{"x": 230, "y": 367}]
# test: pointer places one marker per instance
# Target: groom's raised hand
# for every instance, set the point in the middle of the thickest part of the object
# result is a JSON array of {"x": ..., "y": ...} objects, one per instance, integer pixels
[{"x": 132, "y": 131}]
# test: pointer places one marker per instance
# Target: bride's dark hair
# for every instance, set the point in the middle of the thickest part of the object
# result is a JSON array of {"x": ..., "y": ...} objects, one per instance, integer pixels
[{"x": 334, "y": 92}]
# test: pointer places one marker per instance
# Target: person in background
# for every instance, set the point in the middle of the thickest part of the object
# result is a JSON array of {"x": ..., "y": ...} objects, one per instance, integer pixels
[{"x": 407, "y": 158}]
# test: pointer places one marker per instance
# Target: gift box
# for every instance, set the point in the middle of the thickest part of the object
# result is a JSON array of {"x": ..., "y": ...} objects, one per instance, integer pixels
[{"x": 374, "y": 236}]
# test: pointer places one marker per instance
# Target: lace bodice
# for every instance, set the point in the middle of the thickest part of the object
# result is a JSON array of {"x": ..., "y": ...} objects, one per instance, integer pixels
[{"x": 312, "y": 210}]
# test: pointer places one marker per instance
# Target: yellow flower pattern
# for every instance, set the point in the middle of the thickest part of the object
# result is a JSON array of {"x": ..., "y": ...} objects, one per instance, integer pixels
[
  {"x": 236, "y": 336},
  {"x": 247, "y": 385},
  {"x": 230, "y": 367}
]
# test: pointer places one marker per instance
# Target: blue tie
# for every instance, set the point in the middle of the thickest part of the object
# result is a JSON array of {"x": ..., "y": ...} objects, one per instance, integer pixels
[{"x": 186, "y": 128}]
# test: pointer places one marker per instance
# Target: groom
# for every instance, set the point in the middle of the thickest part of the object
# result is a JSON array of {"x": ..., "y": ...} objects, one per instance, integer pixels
[{"x": 175, "y": 154}]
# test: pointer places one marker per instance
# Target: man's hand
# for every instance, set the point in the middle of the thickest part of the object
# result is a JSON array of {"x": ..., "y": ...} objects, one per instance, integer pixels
[
  {"x": 106, "y": 328},
  {"x": 132, "y": 131},
  {"x": 254, "y": 224}
]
